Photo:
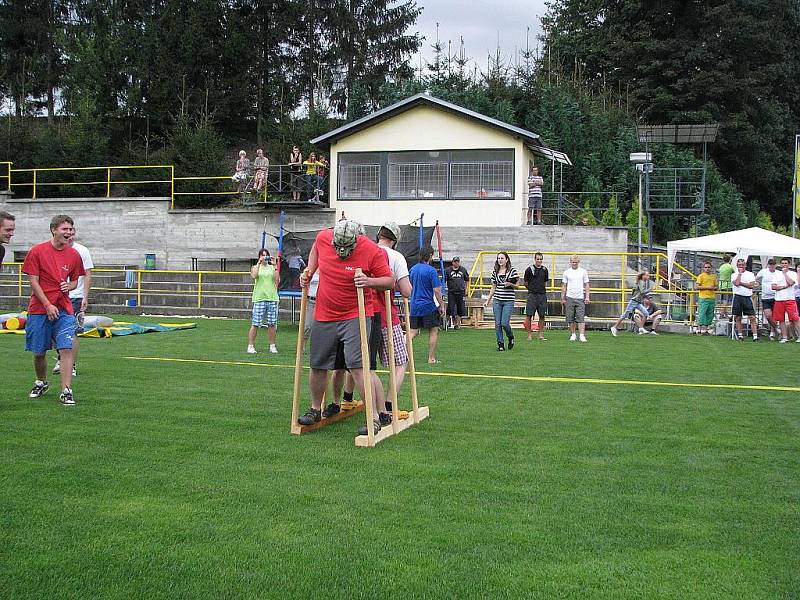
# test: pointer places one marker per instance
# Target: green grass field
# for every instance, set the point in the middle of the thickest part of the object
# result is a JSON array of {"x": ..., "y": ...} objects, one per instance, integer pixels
[{"x": 181, "y": 480}]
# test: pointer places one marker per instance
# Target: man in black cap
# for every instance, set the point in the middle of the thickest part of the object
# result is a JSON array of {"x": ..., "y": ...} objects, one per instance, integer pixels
[{"x": 456, "y": 278}]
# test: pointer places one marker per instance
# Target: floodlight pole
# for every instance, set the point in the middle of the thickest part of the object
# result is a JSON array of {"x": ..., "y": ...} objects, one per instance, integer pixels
[
  {"x": 795, "y": 183},
  {"x": 639, "y": 244}
]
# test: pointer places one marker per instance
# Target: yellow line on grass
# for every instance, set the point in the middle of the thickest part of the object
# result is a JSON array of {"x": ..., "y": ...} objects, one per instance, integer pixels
[{"x": 717, "y": 386}]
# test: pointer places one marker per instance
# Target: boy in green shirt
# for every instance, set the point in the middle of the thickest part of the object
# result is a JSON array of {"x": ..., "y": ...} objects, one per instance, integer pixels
[{"x": 725, "y": 275}]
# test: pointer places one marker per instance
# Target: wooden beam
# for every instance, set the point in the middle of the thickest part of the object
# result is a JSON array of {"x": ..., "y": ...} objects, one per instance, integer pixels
[{"x": 362, "y": 441}]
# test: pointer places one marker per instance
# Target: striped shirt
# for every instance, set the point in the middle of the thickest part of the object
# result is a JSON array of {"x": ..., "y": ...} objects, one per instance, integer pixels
[
  {"x": 501, "y": 292},
  {"x": 535, "y": 184}
]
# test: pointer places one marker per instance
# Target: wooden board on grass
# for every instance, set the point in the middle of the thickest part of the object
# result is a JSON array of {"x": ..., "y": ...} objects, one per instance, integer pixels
[
  {"x": 362, "y": 441},
  {"x": 298, "y": 429}
]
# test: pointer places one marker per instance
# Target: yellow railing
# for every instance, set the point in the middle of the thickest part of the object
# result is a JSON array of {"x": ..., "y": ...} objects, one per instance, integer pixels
[
  {"x": 106, "y": 177},
  {"x": 557, "y": 262},
  {"x": 6, "y": 174}
]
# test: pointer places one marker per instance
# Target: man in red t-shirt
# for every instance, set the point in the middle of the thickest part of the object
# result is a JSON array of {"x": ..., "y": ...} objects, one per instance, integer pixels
[
  {"x": 53, "y": 268},
  {"x": 338, "y": 253}
]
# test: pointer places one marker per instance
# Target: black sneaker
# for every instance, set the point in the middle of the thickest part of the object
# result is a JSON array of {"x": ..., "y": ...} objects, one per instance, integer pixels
[
  {"x": 511, "y": 343},
  {"x": 501, "y": 347},
  {"x": 331, "y": 409},
  {"x": 66, "y": 398},
  {"x": 39, "y": 389},
  {"x": 385, "y": 419},
  {"x": 376, "y": 428},
  {"x": 311, "y": 417}
]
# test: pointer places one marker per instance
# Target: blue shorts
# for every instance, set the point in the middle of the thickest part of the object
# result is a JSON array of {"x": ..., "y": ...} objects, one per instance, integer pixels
[
  {"x": 265, "y": 313},
  {"x": 41, "y": 333}
]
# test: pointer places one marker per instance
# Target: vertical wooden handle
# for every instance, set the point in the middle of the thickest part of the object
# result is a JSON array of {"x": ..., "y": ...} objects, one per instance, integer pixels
[
  {"x": 366, "y": 374},
  {"x": 411, "y": 368},
  {"x": 390, "y": 355},
  {"x": 298, "y": 363}
]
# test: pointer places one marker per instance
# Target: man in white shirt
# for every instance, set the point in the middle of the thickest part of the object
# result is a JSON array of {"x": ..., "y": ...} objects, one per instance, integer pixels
[
  {"x": 783, "y": 283},
  {"x": 764, "y": 278},
  {"x": 80, "y": 301},
  {"x": 575, "y": 297},
  {"x": 742, "y": 283}
]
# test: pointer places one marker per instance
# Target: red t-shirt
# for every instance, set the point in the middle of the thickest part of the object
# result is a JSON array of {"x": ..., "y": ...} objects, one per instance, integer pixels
[
  {"x": 52, "y": 267},
  {"x": 337, "y": 299}
]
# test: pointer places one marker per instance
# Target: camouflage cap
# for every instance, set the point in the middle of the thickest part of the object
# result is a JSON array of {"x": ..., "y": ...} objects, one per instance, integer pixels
[
  {"x": 345, "y": 236},
  {"x": 392, "y": 228}
]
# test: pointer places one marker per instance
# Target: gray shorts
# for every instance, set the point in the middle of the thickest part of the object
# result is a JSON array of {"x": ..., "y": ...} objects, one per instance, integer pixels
[
  {"x": 534, "y": 202},
  {"x": 536, "y": 303},
  {"x": 575, "y": 310},
  {"x": 325, "y": 338}
]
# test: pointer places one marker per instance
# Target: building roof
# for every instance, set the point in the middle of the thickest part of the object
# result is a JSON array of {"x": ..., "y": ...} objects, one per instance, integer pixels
[{"x": 532, "y": 139}]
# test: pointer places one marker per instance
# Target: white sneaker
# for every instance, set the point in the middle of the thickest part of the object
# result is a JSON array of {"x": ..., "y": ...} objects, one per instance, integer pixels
[
  {"x": 273, "y": 348},
  {"x": 783, "y": 341},
  {"x": 57, "y": 368},
  {"x": 614, "y": 331},
  {"x": 771, "y": 337},
  {"x": 573, "y": 337},
  {"x": 653, "y": 333},
  {"x": 642, "y": 330},
  {"x": 251, "y": 349},
  {"x": 583, "y": 338}
]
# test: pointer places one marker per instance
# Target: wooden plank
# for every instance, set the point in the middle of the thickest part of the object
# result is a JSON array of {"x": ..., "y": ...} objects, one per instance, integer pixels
[
  {"x": 366, "y": 374},
  {"x": 362, "y": 441},
  {"x": 340, "y": 416}
]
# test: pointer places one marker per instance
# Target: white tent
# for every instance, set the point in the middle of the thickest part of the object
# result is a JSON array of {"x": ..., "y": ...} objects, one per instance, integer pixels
[{"x": 753, "y": 241}]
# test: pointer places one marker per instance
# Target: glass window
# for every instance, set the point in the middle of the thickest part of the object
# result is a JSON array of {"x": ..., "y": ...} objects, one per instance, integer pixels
[
  {"x": 482, "y": 174},
  {"x": 359, "y": 176},
  {"x": 418, "y": 174}
]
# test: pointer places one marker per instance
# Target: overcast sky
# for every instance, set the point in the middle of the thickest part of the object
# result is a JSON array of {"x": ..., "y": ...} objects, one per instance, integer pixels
[{"x": 480, "y": 22}]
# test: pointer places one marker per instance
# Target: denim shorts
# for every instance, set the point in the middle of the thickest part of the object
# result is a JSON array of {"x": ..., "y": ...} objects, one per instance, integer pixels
[{"x": 41, "y": 333}]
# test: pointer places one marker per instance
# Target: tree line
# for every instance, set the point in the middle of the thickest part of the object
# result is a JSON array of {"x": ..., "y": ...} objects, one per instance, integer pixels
[{"x": 185, "y": 83}]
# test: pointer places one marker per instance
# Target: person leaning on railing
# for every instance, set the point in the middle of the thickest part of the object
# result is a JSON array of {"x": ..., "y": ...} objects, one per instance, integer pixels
[
  {"x": 242, "y": 170},
  {"x": 261, "y": 165},
  {"x": 311, "y": 176}
]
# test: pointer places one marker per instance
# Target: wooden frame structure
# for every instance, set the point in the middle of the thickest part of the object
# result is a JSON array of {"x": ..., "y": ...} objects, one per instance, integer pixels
[{"x": 418, "y": 413}]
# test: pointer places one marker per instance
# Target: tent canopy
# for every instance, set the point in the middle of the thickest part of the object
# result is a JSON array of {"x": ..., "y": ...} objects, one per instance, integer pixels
[{"x": 752, "y": 241}]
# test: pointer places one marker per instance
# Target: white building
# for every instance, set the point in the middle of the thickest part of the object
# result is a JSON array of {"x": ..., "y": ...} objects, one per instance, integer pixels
[{"x": 425, "y": 155}]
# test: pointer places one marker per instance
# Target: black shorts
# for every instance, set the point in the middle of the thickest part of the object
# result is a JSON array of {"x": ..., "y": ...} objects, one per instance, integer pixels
[
  {"x": 536, "y": 303},
  {"x": 426, "y": 321},
  {"x": 455, "y": 304},
  {"x": 743, "y": 305},
  {"x": 767, "y": 303}
]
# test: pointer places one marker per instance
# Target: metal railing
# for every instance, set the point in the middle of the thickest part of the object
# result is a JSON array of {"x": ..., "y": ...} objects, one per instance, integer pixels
[
  {"x": 613, "y": 267},
  {"x": 567, "y": 208},
  {"x": 100, "y": 181},
  {"x": 7, "y": 174}
]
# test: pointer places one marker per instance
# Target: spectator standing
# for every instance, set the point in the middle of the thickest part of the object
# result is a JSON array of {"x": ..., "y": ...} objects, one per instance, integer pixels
[
  {"x": 706, "y": 286},
  {"x": 296, "y": 264},
  {"x": 53, "y": 268},
  {"x": 785, "y": 307},
  {"x": 725, "y": 274},
  {"x": 502, "y": 296},
  {"x": 295, "y": 172},
  {"x": 265, "y": 301},
  {"x": 426, "y": 301},
  {"x": 764, "y": 279},
  {"x": 261, "y": 165},
  {"x": 79, "y": 297},
  {"x": 456, "y": 278},
  {"x": 575, "y": 296},
  {"x": 535, "y": 196},
  {"x": 536, "y": 279},
  {"x": 742, "y": 285},
  {"x": 242, "y": 171},
  {"x": 311, "y": 177}
]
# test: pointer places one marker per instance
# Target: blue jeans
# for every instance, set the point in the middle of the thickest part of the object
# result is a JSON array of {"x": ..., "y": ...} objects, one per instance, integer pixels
[{"x": 502, "y": 318}]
